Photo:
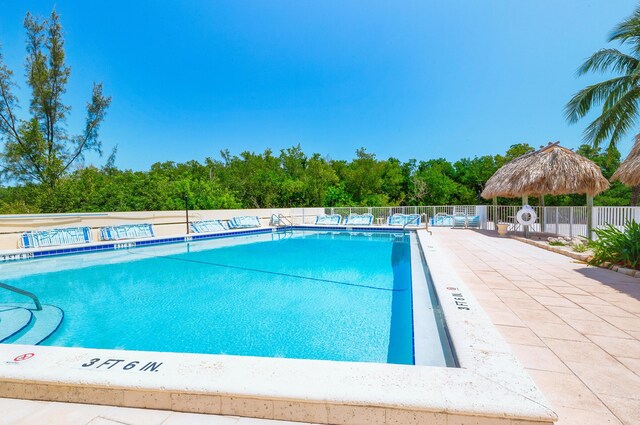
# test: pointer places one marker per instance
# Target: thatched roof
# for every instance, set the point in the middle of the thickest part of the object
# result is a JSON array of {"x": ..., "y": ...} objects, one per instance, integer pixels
[
  {"x": 629, "y": 171},
  {"x": 552, "y": 170}
]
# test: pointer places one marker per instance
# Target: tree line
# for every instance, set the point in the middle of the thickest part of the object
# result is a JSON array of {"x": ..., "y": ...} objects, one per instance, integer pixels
[{"x": 288, "y": 179}]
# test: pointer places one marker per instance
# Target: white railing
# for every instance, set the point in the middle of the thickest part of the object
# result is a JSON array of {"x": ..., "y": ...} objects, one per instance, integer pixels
[
  {"x": 566, "y": 221},
  {"x": 615, "y": 216}
]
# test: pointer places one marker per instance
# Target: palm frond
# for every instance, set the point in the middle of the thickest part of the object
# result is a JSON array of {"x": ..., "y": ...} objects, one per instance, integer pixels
[
  {"x": 619, "y": 91},
  {"x": 628, "y": 31},
  {"x": 582, "y": 102},
  {"x": 615, "y": 120},
  {"x": 610, "y": 60},
  {"x": 627, "y": 115}
]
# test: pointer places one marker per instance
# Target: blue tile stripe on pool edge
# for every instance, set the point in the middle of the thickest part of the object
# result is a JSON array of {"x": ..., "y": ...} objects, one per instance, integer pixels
[{"x": 126, "y": 244}]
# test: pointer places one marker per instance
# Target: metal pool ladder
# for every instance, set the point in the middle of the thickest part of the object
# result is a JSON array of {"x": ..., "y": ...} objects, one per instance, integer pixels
[
  {"x": 23, "y": 292},
  {"x": 426, "y": 222},
  {"x": 278, "y": 219}
]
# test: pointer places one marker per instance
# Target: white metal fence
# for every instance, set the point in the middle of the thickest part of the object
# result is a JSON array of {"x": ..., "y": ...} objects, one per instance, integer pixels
[
  {"x": 616, "y": 216},
  {"x": 566, "y": 221}
]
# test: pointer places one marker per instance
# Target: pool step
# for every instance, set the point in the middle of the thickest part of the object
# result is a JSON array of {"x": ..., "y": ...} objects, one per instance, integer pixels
[
  {"x": 13, "y": 320},
  {"x": 43, "y": 324}
]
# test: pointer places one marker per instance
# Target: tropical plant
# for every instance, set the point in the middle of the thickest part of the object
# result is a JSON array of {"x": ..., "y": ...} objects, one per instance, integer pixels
[
  {"x": 619, "y": 96},
  {"x": 618, "y": 247},
  {"x": 579, "y": 247}
]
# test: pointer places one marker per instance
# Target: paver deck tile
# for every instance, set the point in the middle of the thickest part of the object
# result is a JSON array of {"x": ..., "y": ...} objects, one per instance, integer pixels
[
  {"x": 625, "y": 323},
  {"x": 579, "y": 351},
  {"x": 569, "y": 416},
  {"x": 619, "y": 347},
  {"x": 626, "y": 409},
  {"x": 632, "y": 364},
  {"x": 592, "y": 327},
  {"x": 607, "y": 379},
  {"x": 520, "y": 335},
  {"x": 539, "y": 358},
  {"x": 608, "y": 310},
  {"x": 537, "y": 315},
  {"x": 567, "y": 391},
  {"x": 573, "y": 313}
]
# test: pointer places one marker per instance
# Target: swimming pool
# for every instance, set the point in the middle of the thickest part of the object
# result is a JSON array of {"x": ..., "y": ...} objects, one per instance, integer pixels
[{"x": 306, "y": 294}]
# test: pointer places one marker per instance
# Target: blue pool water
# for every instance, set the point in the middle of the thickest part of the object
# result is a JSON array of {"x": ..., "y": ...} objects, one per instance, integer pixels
[{"x": 302, "y": 294}]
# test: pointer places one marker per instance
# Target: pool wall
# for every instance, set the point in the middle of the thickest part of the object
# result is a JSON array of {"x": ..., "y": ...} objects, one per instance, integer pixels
[{"x": 490, "y": 385}]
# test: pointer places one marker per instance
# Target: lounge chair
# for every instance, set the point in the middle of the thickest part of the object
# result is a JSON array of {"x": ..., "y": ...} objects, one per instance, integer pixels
[
  {"x": 328, "y": 219},
  {"x": 126, "y": 231},
  {"x": 245, "y": 221},
  {"x": 55, "y": 237},
  {"x": 207, "y": 226},
  {"x": 359, "y": 219},
  {"x": 442, "y": 219},
  {"x": 466, "y": 221},
  {"x": 404, "y": 220}
]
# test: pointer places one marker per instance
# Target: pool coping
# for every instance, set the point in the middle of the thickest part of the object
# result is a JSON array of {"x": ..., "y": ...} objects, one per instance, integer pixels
[{"x": 489, "y": 383}]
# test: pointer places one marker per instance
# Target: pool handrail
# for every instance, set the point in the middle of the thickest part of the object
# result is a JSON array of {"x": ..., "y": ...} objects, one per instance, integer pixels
[
  {"x": 416, "y": 218},
  {"x": 23, "y": 292}
]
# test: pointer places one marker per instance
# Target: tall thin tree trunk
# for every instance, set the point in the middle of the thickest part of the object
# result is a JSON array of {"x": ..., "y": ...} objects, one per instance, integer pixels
[{"x": 635, "y": 194}]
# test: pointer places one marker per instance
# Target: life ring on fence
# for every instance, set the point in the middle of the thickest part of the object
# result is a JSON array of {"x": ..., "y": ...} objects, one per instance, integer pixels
[{"x": 526, "y": 210}]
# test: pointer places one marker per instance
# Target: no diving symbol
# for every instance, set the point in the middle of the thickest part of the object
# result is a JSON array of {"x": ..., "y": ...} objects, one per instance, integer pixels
[{"x": 25, "y": 356}]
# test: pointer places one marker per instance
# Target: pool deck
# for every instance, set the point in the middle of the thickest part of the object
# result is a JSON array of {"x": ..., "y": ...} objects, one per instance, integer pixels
[{"x": 576, "y": 329}]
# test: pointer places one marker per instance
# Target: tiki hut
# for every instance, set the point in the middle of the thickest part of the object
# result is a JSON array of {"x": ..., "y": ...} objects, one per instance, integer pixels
[
  {"x": 629, "y": 171},
  {"x": 551, "y": 170}
]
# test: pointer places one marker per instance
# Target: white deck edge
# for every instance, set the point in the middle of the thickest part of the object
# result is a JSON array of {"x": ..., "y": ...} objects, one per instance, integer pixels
[{"x": 490, "y": 382}]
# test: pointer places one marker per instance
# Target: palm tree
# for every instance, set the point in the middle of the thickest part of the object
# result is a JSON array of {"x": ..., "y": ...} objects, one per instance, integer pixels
[{"x": 619, "y": 96}]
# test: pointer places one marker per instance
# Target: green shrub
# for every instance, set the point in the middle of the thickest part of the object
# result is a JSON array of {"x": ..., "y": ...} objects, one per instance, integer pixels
[
  {"x": 618, "y": 247},
  {"x": 556, "y": 243}
]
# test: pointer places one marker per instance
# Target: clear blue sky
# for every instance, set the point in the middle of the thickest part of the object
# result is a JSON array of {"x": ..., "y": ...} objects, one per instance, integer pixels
[{"x": 410, "y": 79}]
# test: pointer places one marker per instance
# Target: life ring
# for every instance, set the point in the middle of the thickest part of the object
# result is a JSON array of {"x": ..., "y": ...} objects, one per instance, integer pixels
[{"x": 532, "y": 216}]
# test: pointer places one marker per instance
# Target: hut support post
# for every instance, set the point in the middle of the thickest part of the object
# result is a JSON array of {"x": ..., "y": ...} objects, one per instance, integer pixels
[
  {"x": 542, "y": 215},
  {"x": 590, "y": 216},
  {"x": 525, "y": 201},
  {"x": 495, "y": 213}
]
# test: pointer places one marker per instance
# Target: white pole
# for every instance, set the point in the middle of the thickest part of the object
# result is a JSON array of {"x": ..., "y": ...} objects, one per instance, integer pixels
[
  {"x": 590, "y": 216},
  {"x": 525, "y": 201}
]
